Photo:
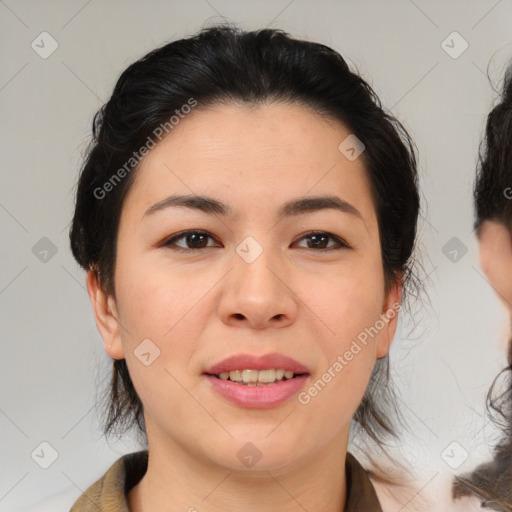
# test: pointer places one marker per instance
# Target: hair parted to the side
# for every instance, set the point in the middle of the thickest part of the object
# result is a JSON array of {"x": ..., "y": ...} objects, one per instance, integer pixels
[
  {"x": 492, "y": 482},
  {"x": 224, "y": 64}
]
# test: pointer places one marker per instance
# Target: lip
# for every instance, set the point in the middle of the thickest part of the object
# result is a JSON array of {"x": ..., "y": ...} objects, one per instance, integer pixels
[
  {"x": 251, "y": 362},
  {"x": 258, "y": 397}
]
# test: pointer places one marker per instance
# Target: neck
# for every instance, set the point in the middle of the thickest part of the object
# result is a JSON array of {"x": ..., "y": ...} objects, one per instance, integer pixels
[{"x": 177, "y": 480}]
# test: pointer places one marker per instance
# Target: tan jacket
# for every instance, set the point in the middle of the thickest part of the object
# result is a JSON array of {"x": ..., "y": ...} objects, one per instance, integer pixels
[{"x": 109, "y": 493}]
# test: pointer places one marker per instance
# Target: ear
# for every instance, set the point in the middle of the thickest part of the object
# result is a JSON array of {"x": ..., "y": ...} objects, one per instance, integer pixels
[
  {"x": 389, "y": 316},
  {"x": 105, "y": 315}
]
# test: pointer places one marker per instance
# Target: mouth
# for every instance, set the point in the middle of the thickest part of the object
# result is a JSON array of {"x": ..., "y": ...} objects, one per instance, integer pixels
[
  {"x": 253, "y": 377},
  {"x": 258, "y": 382}
]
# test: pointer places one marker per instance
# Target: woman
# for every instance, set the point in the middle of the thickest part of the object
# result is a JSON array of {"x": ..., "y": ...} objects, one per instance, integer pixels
[
  {"x": 246, "y": 215},
  {"x": 492, "y": 482}
]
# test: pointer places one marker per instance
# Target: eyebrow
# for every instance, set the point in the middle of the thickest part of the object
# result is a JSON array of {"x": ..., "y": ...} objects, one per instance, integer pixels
[{"x": 212, "y": 206}]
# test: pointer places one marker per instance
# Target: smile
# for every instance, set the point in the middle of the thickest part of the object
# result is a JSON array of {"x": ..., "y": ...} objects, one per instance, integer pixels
[{"x": 257, "y": 377}]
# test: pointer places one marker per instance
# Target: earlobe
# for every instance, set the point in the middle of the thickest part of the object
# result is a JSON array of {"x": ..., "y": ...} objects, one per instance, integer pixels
[
  {"x": 389, "y": 318},
  {"x": 105, "y": 315}
]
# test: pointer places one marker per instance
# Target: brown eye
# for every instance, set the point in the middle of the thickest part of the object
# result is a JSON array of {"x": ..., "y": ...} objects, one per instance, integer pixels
[
  {"x": 319, "y": 241},
  {"x": 193, "y": 240}
]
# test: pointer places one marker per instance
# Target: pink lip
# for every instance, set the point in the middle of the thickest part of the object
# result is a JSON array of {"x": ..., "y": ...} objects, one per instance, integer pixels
[
  {"x": 250, "y": 362},
  {"x": 258, "y": 397}
]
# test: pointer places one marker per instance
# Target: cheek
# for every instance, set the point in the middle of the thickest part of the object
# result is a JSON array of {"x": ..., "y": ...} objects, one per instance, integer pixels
[
  {"x": 160, "y": 334},
  {"x": 155, "y": 301},
  {"x": 346, "y": 303},
  {"x": 146, "y": 309},
  {"x": 335, "y": 393},
  {"x": 347, "y": 324}
]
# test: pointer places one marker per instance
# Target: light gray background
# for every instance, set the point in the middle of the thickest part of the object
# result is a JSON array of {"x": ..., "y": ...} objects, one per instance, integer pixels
[{"x": 52, "y": 358}]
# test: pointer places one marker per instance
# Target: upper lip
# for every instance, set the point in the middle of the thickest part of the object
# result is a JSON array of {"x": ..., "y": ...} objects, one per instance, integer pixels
[{"x": 251, "y": 362}]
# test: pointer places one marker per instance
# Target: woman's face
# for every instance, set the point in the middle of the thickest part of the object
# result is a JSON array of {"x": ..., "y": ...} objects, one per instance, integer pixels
[
  {"x": 255, "y": 282},
  {"x": 495, "y": 244}
]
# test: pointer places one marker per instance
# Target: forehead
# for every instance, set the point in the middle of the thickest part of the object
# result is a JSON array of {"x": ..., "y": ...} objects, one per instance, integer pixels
[
  {"x": 279, "y": 131},
  {"x": 271, "y": 152}
]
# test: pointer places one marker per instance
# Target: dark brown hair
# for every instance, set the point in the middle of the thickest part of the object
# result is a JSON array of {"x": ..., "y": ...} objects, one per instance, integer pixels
[
  {"x": 492, "y": 481},
  {"x": 224, "y": 64}
]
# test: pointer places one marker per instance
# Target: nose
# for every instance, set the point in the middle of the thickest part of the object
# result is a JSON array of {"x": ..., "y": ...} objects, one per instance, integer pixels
[{"x": 258, "y": 295}]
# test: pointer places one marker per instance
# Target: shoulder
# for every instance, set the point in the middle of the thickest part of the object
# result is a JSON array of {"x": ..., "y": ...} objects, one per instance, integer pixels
[
  {"x": 110, "y": 490},
  {"x": 123, "y": 471},
  {"x": 360, "y": 490}
]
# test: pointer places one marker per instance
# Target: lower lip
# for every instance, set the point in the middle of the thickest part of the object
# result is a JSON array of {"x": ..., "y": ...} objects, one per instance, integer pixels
[{"x": 258, "y": 397}]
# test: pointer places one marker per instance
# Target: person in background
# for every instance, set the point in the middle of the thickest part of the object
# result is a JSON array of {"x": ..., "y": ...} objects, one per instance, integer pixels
[{"x": 491, "y": 482}]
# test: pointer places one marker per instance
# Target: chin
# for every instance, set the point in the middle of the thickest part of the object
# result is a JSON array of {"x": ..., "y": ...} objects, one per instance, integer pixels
[{"x": 256, "y": 457}]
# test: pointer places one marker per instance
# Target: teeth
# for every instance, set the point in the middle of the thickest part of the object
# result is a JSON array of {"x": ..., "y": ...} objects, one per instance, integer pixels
[
  {"x": 249, "y": 376},
  {"x": 266, "y": 376},
  {"x": 256, "y": 377},
  {"x": 236, "y": 376}
]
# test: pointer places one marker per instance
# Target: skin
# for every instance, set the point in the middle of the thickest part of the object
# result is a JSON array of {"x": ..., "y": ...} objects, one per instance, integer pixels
[
  {"x": 495, "y": 248},
  {"x": 201, "y": 307}
]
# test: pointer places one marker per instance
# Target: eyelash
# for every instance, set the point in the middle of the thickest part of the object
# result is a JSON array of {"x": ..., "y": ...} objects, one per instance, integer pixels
[{"x": 170, "y": 241}]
